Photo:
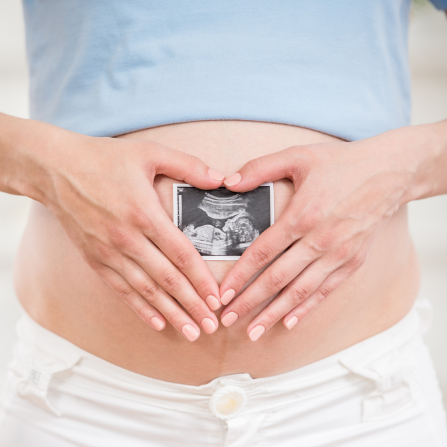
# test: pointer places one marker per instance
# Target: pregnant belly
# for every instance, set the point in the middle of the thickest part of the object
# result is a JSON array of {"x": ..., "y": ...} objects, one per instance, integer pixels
[{"x": 63, "y": 294}]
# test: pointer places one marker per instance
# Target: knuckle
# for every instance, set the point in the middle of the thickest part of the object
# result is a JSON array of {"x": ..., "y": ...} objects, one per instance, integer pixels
[
  {"x": 151, "y": 165},
  {"x": 298, "y": 294},
  {"x": 139, "y": 218},
  {"x": 240, "y": 276},
  {"x": 124, "y": 292},
  {"x": 309, "y": 219},
  {"x": 356, "y": 262},
  {"x": 183, "y": 258},
  {"x": 176, "y": 319},
  {"x": 326, "y": 240},
  {"x": 119, "y": 237},
  {"x": 276, "y": 281},
  {"x": 245, "y": 307},
  {"x": 195, "y": 308},
  {"x": 261, "y": 256},
  {"x": 343, "y": 253},
  {"x": 254, "y": 166},
  {"x": 169, "y": 280},
  {"x": 93, "y": 262},
  {"x": 270, "y": 318},
  {"x": 322, "y": 293},
  {"x": 150, "y": 292},
  {"x": 103, "y": 251},
  {"x": 201, "y": 285},
  {"x": 297, "y": 171}
]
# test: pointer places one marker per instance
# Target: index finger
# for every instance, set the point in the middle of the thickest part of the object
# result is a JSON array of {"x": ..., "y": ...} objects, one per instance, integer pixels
[
  {"x": 181, "y": 251},
  {"x": 264, "y": 250}
]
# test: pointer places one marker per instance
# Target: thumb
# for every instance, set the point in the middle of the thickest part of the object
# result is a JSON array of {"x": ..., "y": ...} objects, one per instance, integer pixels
[
  {"x": 260, "y": 170},
  {"x": 186, "y": 167}
]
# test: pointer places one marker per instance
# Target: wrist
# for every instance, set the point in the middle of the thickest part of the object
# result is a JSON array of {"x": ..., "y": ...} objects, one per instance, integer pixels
[
  {"x": 427, "y": 155},
  {"x": 25, "y": 148}
]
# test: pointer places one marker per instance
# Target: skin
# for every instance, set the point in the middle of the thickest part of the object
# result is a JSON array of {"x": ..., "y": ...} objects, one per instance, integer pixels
[
  {"x": 142, "y": 256},
  {"x": 75, "y": 180},
  {"x": 345, "y": 195}
]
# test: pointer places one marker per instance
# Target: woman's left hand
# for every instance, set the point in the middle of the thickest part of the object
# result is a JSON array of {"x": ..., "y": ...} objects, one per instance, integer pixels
[{"x": 345, "y": 192}]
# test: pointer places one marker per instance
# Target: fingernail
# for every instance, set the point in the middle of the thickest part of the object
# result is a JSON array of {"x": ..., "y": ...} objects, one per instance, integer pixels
[
  {"x": 190, "y": 332},
  {"x": 208, "y": 325},
  {"x": 157, "y": 323},
  {"x": 256, "y": 332},
  {"x": 291, "y": 322},
  {"x": 228, "y": 319},
  {"x": 215, "y": 175},
  {"x": 233, "y": 179},
  {"x": 227, "y": 296},
  {"x": 213, "y": 302}
]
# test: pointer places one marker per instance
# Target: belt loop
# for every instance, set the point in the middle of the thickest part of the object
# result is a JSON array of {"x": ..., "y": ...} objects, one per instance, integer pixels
[
  {"x": 38, "y": 370},
  {"x": 33, "y": 386},
  {"x": 389, "y": 373}
]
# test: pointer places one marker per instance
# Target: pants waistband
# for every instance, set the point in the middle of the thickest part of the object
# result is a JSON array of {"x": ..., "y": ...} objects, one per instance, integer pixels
[{"x": 44, "y": 360}]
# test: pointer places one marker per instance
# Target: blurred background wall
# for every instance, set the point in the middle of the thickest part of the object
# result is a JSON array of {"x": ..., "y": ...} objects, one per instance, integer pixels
[{"x": 428, "y": 218}]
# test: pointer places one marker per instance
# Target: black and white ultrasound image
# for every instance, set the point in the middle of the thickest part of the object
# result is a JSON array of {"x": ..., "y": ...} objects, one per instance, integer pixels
[{"x": 221, "y": 223}]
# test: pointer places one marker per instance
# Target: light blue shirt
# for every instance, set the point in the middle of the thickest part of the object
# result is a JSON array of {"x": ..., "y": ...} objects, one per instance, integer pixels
[{"x": 108, "y": 67}]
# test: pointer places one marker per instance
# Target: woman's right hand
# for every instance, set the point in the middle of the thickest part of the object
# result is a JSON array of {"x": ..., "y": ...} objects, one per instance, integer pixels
[{"x": 101, "y": 190}]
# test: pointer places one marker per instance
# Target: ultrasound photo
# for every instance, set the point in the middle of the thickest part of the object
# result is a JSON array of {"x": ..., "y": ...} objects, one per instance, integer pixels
[{"x": 220, "y": 223}]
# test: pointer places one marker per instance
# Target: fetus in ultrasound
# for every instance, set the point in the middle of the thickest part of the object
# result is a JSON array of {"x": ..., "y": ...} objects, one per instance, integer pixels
[{"x": 221, "y": 223}]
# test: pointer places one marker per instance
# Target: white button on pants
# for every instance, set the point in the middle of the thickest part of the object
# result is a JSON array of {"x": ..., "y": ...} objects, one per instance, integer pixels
[
  {"x": 227, "y": 404},
  {"x": 228, "y": 401}
]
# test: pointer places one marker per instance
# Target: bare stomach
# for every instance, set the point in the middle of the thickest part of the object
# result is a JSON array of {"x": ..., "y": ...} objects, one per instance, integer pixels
[{"x": 60, "y": 291}]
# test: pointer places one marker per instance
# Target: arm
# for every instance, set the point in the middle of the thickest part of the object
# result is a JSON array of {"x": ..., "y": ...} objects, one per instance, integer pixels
[
  {"x": 101, "y": 190},
  {"x": 344, "y": 195}
]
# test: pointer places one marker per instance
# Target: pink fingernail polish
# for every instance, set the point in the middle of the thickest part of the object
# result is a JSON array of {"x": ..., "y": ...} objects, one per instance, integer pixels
[
  {"x": 256, "y": 332},
  {"x": 190, "y": 332},
  {"x": 212, "y": 302},
  {"x": 215, "y": 175},
  {"x": 157, "y": 323},
  {"x": 233, "y": 179},
  {"x": 291, "y": 322},
  {"x": 228, "y": 319},
  {"x": 208, "y": 325},
  {"x": 227, "y": 296}
]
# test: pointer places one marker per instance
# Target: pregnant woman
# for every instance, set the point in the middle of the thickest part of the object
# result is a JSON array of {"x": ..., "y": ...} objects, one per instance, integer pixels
[{"x": 129, "y": 337}]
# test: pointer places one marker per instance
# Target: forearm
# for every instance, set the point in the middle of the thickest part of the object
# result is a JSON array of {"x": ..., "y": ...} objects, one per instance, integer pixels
[
  {"x": 16, "y": 141},
  {"x": 427, "y": 146},
  {"x": 28, "y": 156}
]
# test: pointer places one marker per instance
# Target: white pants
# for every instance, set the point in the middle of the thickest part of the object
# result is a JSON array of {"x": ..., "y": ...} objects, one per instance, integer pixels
[{"x": 380, "y": 392}]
